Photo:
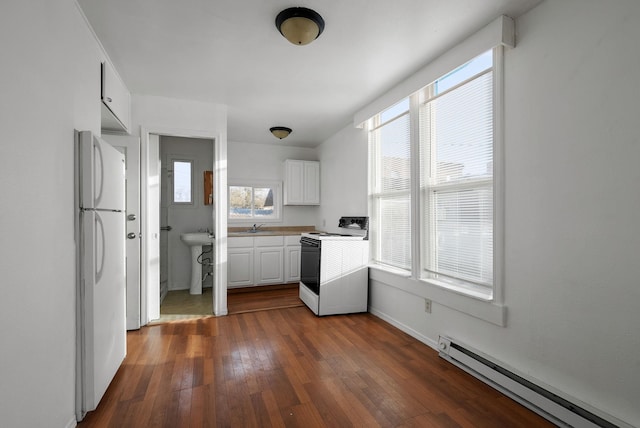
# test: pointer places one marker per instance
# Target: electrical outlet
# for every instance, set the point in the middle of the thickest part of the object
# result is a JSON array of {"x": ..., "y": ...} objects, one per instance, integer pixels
[
  {"x": 427, "y": 305},
  {"x": 324, "y": 222}
]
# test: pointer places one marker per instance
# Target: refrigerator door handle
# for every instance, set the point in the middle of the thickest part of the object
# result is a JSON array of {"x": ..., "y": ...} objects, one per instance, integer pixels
[
  {"x": 99, "y": 243},
  {"x": 99, "y": 171}
]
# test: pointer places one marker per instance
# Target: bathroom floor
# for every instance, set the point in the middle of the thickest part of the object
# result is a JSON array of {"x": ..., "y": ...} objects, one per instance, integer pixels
[{"x": 180, "y": 305}]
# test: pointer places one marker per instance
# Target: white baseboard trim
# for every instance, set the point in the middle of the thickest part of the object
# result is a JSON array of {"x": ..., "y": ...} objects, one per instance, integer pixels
[
  {"x": 405, "y": 328},
  {"x": 72, "y": 423}
]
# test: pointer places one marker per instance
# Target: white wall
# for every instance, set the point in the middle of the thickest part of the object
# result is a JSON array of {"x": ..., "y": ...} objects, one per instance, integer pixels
[
  {"x": 343, "y": 183},
  {"x": 572, "y": 234},
  {"x": 266, "y": 162},
  {"x": 185, "y": 218},
  {"x": 50, "y": 84}
]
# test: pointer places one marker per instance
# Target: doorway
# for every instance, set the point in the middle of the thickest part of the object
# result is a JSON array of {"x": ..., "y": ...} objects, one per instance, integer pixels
[
  {"x": 185, "y": 206},
  {"x": 151, "y": 237}
]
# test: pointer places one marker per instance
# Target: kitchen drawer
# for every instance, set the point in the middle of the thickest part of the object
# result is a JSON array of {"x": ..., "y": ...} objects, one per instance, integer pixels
[
  {"x": 240, "y": 242},
  {"x": 269, "y": 241},
  {"x": 292, "y": 240}
]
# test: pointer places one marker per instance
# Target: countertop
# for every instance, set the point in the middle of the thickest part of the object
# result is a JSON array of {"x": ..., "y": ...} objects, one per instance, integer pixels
[{"x": 270, "y": 231}]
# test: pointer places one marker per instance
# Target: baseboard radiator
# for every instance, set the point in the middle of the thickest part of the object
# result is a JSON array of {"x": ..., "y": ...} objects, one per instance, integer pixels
[{"x": 547, "y": 404}]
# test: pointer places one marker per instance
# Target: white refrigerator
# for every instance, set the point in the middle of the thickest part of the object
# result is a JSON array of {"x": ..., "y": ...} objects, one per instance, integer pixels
[{"x": 101, "y": 272}]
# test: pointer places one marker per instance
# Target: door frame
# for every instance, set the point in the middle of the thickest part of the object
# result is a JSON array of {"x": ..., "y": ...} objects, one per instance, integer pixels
[{"x": 149, "y": 272}]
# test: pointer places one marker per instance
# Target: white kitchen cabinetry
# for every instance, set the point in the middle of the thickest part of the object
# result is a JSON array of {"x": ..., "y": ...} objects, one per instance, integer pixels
[
  {"x": 292, "y": 258},
  {"x": 262, "y": 260},
  {"x": 269, "y": 258},
  {"x": 116, "y": 101},
  {"x": 239, "y": 262},
  {"x": 302, "y": 182}
]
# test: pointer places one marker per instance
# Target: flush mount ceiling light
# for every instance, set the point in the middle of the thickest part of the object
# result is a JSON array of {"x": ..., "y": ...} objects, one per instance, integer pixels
[
  {"x": 300, "y": 25},
  {"x": 280, "y": 131}
]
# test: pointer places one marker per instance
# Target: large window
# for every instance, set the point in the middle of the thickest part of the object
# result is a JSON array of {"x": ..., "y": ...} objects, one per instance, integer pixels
[
  {"x": 255, "y": 201},
  {"x": 391, "y": 185},
  {"x": 434, "y": 157}
]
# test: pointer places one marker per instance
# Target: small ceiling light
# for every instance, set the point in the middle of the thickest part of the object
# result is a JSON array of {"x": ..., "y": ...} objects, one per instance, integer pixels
[
  {"x": 300, "y": 25},
  {"x": 280, "y": 131}
]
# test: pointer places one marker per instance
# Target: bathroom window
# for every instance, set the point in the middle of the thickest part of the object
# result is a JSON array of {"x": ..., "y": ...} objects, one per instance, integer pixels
[
  {"x": 259, "y": 201},
  {"x": 182, "y": 181}
]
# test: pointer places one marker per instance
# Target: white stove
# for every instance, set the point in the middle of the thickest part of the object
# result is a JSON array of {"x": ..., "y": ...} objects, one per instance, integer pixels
[
  {"x": 334, "y": 274},
  {"x": 325, "y": 236},
  {"x": 358, "y": 228}
]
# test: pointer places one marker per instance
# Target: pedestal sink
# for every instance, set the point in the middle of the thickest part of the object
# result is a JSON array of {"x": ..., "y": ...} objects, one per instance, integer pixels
[{"x": 196, "y": 240}]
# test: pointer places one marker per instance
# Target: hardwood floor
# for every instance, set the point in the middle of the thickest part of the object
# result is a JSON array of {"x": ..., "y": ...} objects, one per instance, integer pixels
[
  {"x": 252, "y": 299},
  {"x": 180, "y": 305},
  {"x": 289, "y": 368}
]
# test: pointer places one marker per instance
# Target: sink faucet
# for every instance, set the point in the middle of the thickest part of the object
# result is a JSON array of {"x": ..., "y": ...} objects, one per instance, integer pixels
[{"x": 255, "y": 228}]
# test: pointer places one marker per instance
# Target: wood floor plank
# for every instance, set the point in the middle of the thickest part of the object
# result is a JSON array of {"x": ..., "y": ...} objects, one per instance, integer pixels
[
  {"x": 289, "y": 368},
  {"x": 275, "y": 418}
]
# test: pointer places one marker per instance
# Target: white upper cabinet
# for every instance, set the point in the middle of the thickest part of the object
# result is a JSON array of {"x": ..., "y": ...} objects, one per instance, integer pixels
[
  {"x": 116, "y": 101},
  {"x": 302, "y": 182}
]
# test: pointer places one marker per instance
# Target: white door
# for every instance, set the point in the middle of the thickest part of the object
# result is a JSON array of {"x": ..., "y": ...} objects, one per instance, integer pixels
[{"x": 130, "y": 147}]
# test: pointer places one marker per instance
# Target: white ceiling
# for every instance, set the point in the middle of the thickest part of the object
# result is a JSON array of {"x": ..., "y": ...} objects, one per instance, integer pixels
[{"x": 230, "y": 52}]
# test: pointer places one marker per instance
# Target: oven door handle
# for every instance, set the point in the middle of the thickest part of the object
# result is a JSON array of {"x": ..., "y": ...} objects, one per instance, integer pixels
[{"x": 309, "y": 242}]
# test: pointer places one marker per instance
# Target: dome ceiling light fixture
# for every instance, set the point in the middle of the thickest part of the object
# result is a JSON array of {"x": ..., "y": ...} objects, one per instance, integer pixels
[
  {"x": 300, "y": 25},
  {"x": 280, "y": 131}
]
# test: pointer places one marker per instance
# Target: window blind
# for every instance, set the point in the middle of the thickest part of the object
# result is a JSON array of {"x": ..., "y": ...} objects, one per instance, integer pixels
[
  {"x": 390, "y": 145},
  {"x": 457, "y": 181}
]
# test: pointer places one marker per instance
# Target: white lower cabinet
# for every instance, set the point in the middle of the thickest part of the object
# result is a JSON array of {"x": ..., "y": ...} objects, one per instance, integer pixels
[
  {"x": 262, "y": 260},
  {"x": 240, "y": 262},
  {"x": 292, "y": 259},
  {"x": 268, "y": 264}
]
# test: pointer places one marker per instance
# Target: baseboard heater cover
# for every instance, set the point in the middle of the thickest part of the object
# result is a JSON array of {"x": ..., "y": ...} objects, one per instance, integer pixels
[{"x": 547, "y": 404}]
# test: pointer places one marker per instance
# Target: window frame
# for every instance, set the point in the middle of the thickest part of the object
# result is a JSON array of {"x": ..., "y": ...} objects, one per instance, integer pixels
[
  {"x": 276, "y": 186},
  {"x": 419, "y": 245}
]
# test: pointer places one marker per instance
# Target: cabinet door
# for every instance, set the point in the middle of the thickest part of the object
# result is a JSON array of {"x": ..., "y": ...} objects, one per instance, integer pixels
[
  {"x": 302, "y": 182},
  {"x": 269, "y": 265},
  {"x": 292, "y": 264},
  {"x": 116, "y": 98},
  {"x": 293, "y": 186},
  {"x": 311, "y": 192},
  {"x": 239, "y": 267}
]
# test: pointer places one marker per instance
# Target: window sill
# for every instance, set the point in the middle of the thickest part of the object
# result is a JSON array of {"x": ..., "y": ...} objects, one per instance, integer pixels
[
  {"x": 460, "y": 299},
  {"x": 469, "y": 290}
]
